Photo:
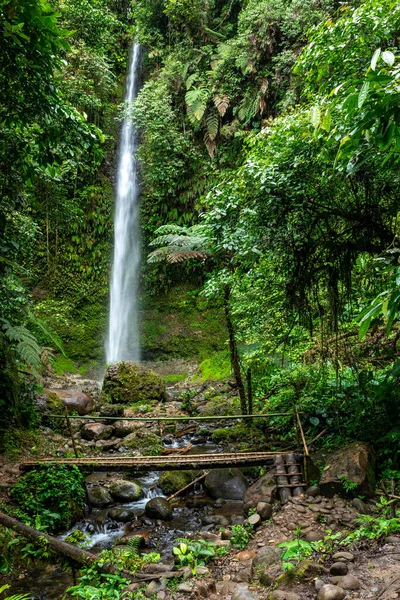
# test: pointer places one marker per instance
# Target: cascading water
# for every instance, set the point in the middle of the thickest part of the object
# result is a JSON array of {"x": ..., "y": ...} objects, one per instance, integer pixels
[{"x": 123, "y": 328}]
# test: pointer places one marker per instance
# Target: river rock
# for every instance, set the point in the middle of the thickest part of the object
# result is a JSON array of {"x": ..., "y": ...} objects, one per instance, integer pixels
[
  {"x": 263, "y": 490},
  {"x": 99, "y": 496},
  {"x": 226, "y": 483},
  {"x": 360, "y": 506},
  {"x": 314, "y": 536},
  {"x": 339, "y": 568},
  {"x": 242, "y": 592},
  {"x": 345, "y": 556},
  {"x": 112, "y": 410},
  {"x": 144, "y": 442},
  {"x": 354, "y": 463},
  {"x": 154, "y": 587},
  {"x": 96, "y": 431},
  {"x": 331, "y": 592},
  {"x": 122, "y": 515},
  {"x": 264, "y": 509},
  {"x": 158, "y": 508},
  {"x": 129, "y": 383},
  {"x": 266, "y": 556},
  {"x": 71, "y": 399},
  {"x": 125, "y": 491},
  {"x": 313, "y": 491},
  {"x": 173, "y": 481},
  {"x": 347, "y": 582},
  {"x": 284, "y": 595},
  {"x": 254, "y": 520},
  {"x": 123, "y": 428}
]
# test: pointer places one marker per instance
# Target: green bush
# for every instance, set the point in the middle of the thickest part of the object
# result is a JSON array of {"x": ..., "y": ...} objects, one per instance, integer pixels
[{"x": 52, "y": 497}]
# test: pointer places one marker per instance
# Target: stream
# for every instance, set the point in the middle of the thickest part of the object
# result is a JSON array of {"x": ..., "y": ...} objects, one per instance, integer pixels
[{"x": 193, "y": 512}]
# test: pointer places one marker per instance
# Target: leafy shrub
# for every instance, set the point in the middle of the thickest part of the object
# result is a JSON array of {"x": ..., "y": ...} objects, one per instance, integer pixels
[{"x": 52, "y": 497}]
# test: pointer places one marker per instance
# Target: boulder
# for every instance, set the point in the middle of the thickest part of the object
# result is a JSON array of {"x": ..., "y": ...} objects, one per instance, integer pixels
[
  {"x": 158, "y": 508},
  {"x": 129, "y": 383},
  {"x": 173, "y": 481},
  {"x": 226, "y": 483},
  {"x": 284, "y": 595},
  {"x": 123, "y": 428},
  {"x": 339, "y": 568},
  {"x": 125, "y": 491},
  {"x": 99, "y": 496},
  {"x": 96, "y": 431},
  {"x": 112, "y": 410},
  {"x": 242, "y": 592},
  {"x": 331, "y": 592},
  {"x": 122, "y": 515},
  {"x": 73, "y": 400},
  {"x": 143, "y": 441},
  {"x": 266, "y": 556},
  {"x": 263, "y": 490},
  {"x": 354, "y": 463},
  {"x": 264, "y": 509},
  {"x": 347, "y": 582}
]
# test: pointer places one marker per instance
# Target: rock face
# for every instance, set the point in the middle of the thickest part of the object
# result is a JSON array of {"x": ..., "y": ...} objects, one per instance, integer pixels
[
  {"x": 125, "y": 491},
  {"x": 129, "y": 383},
  {"x": 158, "y": 508},
  {"x": 71, "y": 399},
  {"x": 263, "y": 490},
  {"x": 99, "y": 496},
  {"x": 96, "y": 431},
  {"x": 226, "y": 483},
  {"x": 353, "y": 463}
]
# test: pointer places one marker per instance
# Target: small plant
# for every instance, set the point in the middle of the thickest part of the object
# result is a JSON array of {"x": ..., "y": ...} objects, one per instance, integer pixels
[
  {"x": 193, "y": 553},
  {"x": 15, "y": 597},
  {"x": 78, "y": 538},
  {"x": 294, "y": 552},
  {"x": 348, "y": 484},
  {"x": 241, "y": 535}
]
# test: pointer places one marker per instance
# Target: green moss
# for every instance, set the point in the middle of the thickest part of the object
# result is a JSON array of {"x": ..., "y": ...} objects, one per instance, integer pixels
[
  {"x": 239, "y": 433},
  {"x": 175, "y": 377},
  {"x": 221, "y": 405},
  {"x": 127, "y": 383},
  {"x": 214, "y": 368},
  {"x": 173, "y": 481},
  {"x": 145, "y": 442},
  {"x": 62, "y": 365}
]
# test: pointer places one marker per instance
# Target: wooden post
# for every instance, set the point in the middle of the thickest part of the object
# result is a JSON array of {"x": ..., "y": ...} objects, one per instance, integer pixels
[{"x": 70, "y": 432}]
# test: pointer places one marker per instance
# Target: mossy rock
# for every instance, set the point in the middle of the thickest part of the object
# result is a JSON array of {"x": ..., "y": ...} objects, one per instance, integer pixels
[
  {"x": 129, "y": 383},
  {"x": 55, "y": 404},
  {"x": 240, "y": 432},
  {"x": 173, "y": 481},
  {"x": 221, "y": 405},
  {"x": 145, "y": 442}
]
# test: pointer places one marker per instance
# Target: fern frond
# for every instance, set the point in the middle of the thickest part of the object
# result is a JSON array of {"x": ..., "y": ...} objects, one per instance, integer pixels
[
  {"x": 134, "y": 544},
  {"x": 212, "y": 122},
  {"x": 196, "y": 102},
  {"x": 171, "y": 228},
  {"x": 177, "y": 257},
  {"x": 26, "y": 346},
  {"x": 210, "y": 145},
  {"x": 15, "y": 597},
  {"x": 221, "y": 103},
  {"x": 50, "y": 335}
]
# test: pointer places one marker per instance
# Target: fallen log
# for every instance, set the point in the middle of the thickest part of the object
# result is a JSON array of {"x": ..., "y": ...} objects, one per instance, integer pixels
[
  {"x": 77, "y": 555},
  {"x": 182, "y": 450}
]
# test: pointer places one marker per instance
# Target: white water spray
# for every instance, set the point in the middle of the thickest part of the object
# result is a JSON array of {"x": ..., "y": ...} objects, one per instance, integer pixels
[{"x": 123, "y": 328}]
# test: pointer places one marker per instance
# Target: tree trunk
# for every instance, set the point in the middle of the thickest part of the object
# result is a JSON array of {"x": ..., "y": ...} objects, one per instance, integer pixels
[
  {"x": 78, "y": 555},
  {"x": 234, "y": 353},
  {"x": 249, "y": 391}
]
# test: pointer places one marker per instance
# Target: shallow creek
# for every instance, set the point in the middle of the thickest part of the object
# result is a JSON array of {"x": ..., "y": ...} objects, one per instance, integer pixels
[{"x": 192, "y": 513}]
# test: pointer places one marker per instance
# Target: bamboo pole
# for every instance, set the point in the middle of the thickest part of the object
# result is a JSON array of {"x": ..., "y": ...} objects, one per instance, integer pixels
[
  {"x": 188, "y": 485},
  {"x": 156, "y": 419}
]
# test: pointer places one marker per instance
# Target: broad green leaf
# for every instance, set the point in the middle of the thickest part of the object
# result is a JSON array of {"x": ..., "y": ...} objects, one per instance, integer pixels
[
  {"x": 388, "y": 57},
  {"x": 363, "y": 93},
  {"x": 316, "y": 116},
  {"x": 374, "y": 59}
]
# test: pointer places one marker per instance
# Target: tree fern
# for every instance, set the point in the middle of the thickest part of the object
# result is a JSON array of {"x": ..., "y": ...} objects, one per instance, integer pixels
[
  {"x": 221, "y": 103},
  {"x": 196, "y": 102},
  {"x": 26, "y": 346},
  {"x": 179, "y": 245},
  {"x": 134, "y": 544},
  {"x": 212, "y": 122}
]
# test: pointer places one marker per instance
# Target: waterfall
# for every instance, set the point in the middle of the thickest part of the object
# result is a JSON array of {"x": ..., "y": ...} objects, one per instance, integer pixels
[{"x": 123, "y": 328}]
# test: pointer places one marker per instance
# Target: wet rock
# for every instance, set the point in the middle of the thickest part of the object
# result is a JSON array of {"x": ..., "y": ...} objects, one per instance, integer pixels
[
  {"x": 123, "y": 428},
  {"x": 129, "y": 383},
  {"x": 314, "y": 536},
  {"x": 266, "y": 556},
  {"x": 187, "y": 573},
  {"x": 154, "y": 587},
  {"x": 99, "y": 496},
  {"x": 215, "y": 520},
  {"x": 245, "y": 555},
  {"x": 242, "y": 592},
  {"x": 71, "y": 399},
  {"x": 121, "y": 515},
  {"x": 360, "y": 506},
  {"x": 347, "y": 582},
  {"x": 283, "y": 595},
  {"x": 331, "y": 592},
  {"x": 158, "y": 508},
  {"x": 264, "y": 509},
  {"x": 353, "y": 463},
  {"x": 345, "y": 556},
  {"x": 254, "y": 520},
  {"x": 263, "y": 490},
  {"x": 265, "y": 579},
  {"x": 112, "y": 410},
  {"x": 185, "y": 588},
  {"x": 143, "y": 441},
  {"x": 313, "y": 491},
  {"x": 226, "y": 483},
  {"x": 161, "y": 595},
  {"x": 172, "y": 481},
  {"x": 318, "y": 584},
  {"x": 392, "y": 539},
  {"x": 96, "y": 431},
  {"x": 339, "y": 568},
  {"x": 125, "y": 491}
]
